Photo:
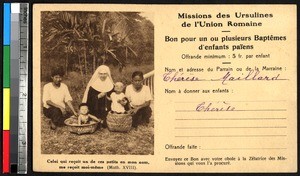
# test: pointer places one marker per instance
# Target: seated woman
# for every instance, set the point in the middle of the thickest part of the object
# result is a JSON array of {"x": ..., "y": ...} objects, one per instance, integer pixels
[
  {"x": 99, "y": 86},
  {"x": 139, "y": 97},
  {"x": 55, "y": 97}
]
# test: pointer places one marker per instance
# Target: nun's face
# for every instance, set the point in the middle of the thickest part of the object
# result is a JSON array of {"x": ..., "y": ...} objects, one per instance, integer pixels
[{"x": 102, "y": 76}]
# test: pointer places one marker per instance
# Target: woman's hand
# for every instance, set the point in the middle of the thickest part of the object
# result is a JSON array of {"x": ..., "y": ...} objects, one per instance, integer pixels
[
  {"x": 122, "y": 102},
  {"x": 133, "y": 111},
  {"x": 75, "y": 114},
  {"x": 63, "y": 110},
  {"x": 102, "y": 94}
]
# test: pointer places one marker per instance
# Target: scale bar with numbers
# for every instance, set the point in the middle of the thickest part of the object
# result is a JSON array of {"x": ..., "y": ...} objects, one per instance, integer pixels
[{"x": 15, "y": 87}]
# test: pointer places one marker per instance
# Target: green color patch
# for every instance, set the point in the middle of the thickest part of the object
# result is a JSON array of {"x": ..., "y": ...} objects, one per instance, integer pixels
[{"x": 6, "y": 66}]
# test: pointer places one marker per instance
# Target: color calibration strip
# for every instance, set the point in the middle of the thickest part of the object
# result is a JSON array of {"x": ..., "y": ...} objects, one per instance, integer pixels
[
  {"x": 6, "y": 88},
  {"x": 15, "y": 87}
]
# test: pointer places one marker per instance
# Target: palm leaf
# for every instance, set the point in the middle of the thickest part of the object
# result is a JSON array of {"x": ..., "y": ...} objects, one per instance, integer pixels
[
  {"x": 114, "y": 56},
  {"x": 103, "y": 26},
  {"x": 136, "y": 55}
]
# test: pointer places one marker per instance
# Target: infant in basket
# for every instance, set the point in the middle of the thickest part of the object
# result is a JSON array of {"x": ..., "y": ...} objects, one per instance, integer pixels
[
  {"x": 119, "y": 101},
  {"x": 84, "y": 117}
]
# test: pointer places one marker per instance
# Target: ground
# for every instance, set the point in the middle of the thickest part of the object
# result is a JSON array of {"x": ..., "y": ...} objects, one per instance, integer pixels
[{"x": 102, "y": 141}]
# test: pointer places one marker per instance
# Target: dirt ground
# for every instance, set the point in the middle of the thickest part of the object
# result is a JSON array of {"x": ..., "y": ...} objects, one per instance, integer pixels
[{"x": 102, "y": 141}]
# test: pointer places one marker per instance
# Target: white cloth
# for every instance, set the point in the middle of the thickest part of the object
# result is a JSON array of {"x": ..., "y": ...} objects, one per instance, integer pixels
[
  {"x": 138, "y": 98},
  {"x": 99, "y": 85},
  {"x": 58, "y": 95},
  {"x": 115, "y": 106}
]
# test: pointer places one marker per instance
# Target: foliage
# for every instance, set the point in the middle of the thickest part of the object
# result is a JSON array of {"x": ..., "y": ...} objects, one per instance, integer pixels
[{"x": 81, "y": 41}]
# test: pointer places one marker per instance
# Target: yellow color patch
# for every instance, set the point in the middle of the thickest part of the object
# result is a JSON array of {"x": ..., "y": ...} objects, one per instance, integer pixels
[{"x": 6, "y": 108}]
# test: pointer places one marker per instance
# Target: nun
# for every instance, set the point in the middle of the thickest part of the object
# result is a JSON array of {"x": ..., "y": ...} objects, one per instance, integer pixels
[{"x": 99, "y": 87}]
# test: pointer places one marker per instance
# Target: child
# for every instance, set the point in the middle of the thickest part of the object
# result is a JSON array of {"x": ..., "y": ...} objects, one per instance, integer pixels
[
  {"x": 84, "y": 117},
  {"x": 139, "y": 97},
  {"x": 118, "y": 99}
]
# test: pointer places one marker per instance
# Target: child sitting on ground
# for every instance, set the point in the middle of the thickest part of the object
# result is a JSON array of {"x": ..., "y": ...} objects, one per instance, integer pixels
[
  {"x": 118, "y": 99},
  {"x": 84, "y": 117}
]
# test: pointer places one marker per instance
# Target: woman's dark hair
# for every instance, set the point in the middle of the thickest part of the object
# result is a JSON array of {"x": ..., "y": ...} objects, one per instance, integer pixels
[
  {"x": 137, "y": 73},
  {"x": 57, "y": 71},
  {"x": 83, "y": 104}
]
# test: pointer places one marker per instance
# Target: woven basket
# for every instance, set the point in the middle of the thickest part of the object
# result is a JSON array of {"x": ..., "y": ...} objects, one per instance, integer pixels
[
  {"x": 119, "y": 122},
  {"x": 74, "y": 127}
]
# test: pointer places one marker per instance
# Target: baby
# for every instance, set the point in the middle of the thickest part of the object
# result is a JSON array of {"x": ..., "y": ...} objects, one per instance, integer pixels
[
  {"x": 118, "y": 99},
  {"x": 84, "y": 117}
]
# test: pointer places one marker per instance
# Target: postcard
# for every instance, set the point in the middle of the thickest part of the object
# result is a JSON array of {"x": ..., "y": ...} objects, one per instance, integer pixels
[{"x": 164, "y": 88}]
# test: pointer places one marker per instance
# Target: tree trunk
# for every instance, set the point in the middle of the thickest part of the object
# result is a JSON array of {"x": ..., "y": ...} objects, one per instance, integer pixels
[
  {"x": 126, "y": 54},
  {"x": 94, "y": 60},
  {"x": 104, "y": 59},
  {"x": 79, "y": 64},
  {"x": 85, "y": 61},
  {"x": 66, "y": 62}
]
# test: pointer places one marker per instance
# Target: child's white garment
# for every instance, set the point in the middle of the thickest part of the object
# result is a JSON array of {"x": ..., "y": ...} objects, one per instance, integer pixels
[{"x": 115, "y": 106}]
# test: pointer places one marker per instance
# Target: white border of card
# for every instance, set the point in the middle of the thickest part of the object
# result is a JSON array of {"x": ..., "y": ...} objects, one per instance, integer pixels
[{"x": 224, "y": 88}]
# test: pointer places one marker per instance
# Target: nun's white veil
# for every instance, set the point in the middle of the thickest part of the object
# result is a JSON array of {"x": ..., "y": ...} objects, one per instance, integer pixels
[{"x": 99, "y": 85}]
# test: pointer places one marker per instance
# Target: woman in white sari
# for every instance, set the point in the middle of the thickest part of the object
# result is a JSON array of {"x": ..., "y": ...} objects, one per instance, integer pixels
[{"x": 99, "y": 86}]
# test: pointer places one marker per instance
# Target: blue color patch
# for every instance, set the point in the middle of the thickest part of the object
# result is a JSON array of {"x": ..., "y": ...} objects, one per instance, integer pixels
[{"x": 6, "y": 24}]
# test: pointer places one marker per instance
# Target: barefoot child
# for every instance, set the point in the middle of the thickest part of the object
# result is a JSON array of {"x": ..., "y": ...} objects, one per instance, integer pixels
[
  {"x": 84, "y": 117},
  {"x": 118, "y": 99}
]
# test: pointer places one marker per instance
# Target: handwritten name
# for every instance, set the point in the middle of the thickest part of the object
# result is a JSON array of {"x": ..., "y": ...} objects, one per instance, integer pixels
[
  {"x": 176, "y": 76},
  {"x": 252, "y": 75},
  {"x": 212, "y": 107}
]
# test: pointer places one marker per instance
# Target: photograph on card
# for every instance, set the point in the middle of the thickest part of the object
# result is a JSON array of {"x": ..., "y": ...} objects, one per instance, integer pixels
[{"x": 97, "y": 82}]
